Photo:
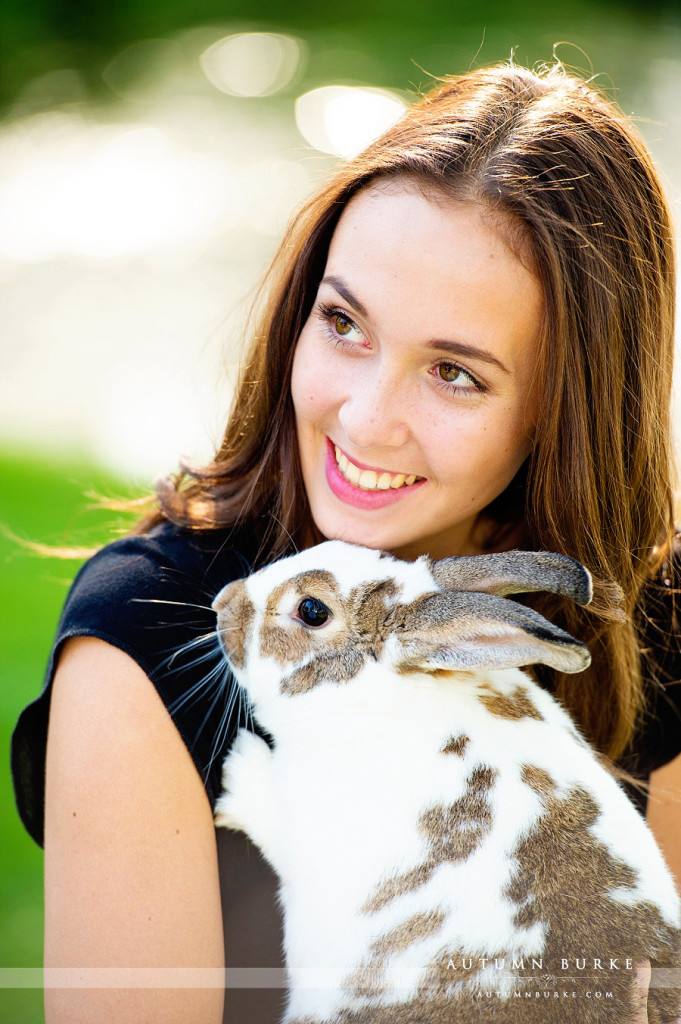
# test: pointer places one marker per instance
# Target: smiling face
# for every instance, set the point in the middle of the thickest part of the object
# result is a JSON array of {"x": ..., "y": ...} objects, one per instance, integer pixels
[{"x": 414, "y": 376}]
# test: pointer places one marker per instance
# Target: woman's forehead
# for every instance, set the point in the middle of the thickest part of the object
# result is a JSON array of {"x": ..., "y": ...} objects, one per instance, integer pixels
[
  {"x": 505, "y": 225},
  {"x": 401, "y": 214}
]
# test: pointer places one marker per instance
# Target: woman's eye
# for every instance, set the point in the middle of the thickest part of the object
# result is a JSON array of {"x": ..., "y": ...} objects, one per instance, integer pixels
[
  {"x": 313, "y": 612},
  {"x": 450, "y": 373},
  {"x": 338, "y": 326},
  {"x": 343, "y": 325}
]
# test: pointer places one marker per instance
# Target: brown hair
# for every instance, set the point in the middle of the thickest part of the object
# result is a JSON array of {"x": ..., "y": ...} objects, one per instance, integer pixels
[{"x": 561, "y": 163}]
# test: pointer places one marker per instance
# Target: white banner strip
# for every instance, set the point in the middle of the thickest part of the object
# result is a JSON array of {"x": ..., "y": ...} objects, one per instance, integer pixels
[
  {"x": 250, "y": 977},
  {"x": 665, "y": 977},
  {"x": 141, "y": 977}
]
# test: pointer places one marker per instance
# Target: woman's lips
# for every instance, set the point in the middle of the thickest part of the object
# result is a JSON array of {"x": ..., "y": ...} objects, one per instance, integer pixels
[{"x": 352, "y": 494}]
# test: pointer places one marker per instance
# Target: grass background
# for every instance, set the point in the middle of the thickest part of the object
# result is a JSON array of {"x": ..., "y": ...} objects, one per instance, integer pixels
[{"x": 47, "y": 502}]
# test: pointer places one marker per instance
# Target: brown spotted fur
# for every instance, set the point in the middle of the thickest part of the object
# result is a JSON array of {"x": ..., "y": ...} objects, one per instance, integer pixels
[
  {"x": 515, "y": 705},
  {"x": 456, "y": 745},
  {"x": 452, "y": 834}
]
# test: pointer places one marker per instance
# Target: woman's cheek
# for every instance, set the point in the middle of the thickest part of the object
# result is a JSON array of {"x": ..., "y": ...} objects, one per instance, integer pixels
[
  {"x": 316, "y": 379},
  {"x": 485, "y": 446},
  {"x": 305, "y": 376}
]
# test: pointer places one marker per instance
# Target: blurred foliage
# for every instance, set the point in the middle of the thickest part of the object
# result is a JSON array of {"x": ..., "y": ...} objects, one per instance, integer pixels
[
  {"x": 48, "y": 503},
  {"x": 41, "y": 36}
]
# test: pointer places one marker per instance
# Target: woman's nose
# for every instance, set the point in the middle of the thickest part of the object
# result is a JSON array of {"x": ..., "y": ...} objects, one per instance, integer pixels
[{"x": 375, "y": 414}]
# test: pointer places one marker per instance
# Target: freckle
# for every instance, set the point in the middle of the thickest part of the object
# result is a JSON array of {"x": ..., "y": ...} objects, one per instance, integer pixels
[
  {"x": 177, "y": 831},
  {"x": 74, "y": 814}
]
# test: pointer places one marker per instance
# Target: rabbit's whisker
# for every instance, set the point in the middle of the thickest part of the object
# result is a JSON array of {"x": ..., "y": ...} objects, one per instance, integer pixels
[
  {"x": 216, "y": 685},
  {"x": 189, "y": 646},
  {"x": 243, "y": 715},
  {"x": 179, "y": 604},
  {"x": 201, "y": 688}
]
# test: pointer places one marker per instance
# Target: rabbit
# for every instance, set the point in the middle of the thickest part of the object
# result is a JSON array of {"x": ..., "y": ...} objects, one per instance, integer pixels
[{"x": 448, "y": 846}]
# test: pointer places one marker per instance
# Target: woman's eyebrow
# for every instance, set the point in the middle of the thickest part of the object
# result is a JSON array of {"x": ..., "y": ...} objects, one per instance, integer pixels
[
  {"x": 345, "y": 293},
  {"x": 459, "y": 348}
]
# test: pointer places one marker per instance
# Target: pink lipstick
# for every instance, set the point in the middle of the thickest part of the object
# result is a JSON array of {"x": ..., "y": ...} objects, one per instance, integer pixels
[{"x": 356, "y": 496}]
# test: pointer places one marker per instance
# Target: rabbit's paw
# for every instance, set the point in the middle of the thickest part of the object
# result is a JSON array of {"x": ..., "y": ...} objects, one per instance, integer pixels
[{"x": 247, "y": 802}]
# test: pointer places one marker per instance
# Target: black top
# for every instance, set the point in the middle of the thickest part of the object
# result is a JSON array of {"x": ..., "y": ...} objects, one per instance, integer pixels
[{"x": 151, "y": 597}]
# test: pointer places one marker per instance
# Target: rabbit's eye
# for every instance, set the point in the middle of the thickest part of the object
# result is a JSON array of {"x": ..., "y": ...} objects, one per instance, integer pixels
[{"x": 313, "y": 612}]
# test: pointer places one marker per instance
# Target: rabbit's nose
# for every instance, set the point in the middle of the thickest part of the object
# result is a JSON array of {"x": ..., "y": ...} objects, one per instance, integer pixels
[
  {"x": 226, "y": 597},
  {"x": 235, "y": 613}
]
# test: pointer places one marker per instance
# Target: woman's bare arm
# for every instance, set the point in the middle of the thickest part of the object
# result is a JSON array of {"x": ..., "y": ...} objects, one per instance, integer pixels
[
  {"x": 664, "y": 813},
  {"x": 131, "y": 877}
]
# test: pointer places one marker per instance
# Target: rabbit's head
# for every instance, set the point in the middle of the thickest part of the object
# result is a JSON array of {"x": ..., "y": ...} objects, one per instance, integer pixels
[{"x": 322, "y": 615}]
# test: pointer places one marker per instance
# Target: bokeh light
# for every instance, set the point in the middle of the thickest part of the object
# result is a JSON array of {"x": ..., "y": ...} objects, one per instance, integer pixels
[
  {"x": 252, "y": 63},
  {"x": 69, "y": 186},
  {"x": 343, "y": 120}
]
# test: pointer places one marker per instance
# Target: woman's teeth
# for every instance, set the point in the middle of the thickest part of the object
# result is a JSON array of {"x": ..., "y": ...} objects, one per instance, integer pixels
[{"x": 368, "y": 479}]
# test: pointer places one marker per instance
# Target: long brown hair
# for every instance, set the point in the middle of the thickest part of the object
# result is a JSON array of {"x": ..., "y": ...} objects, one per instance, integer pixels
[{"x": 557, "y": 160}]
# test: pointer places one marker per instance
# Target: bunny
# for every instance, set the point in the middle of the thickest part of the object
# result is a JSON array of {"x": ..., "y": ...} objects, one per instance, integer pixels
[{"x": 449, "y": 847}]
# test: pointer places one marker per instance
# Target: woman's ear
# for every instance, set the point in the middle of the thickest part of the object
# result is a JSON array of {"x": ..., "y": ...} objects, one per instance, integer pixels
[
  {"x": 515, "y": 572},
  {"x": 459, "y": 631}
]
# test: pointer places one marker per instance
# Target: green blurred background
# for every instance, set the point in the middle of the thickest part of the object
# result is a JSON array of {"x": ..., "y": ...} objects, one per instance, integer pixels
[{"x": 142, "y": 190}]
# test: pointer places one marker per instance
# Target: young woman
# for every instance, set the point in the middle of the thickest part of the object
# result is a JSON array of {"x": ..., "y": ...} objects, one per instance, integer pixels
[{"x": 464, "y": 344}]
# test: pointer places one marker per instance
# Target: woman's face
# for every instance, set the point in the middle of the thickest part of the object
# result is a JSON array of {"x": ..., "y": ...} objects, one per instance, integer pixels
[{"x": 414, "y": 377}]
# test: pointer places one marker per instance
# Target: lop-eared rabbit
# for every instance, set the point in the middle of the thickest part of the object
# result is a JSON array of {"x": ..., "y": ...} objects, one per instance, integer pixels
[{"x": 449, "y": 847}]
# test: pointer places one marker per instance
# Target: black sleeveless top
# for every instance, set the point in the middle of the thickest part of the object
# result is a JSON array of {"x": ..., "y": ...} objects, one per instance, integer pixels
[{"x": 151, "y": 597}]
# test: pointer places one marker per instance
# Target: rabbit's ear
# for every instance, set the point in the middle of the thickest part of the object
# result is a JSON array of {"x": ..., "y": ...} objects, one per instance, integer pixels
[
  {"x": 515, "y": 572},
  {"x": 450, "y": 630}
]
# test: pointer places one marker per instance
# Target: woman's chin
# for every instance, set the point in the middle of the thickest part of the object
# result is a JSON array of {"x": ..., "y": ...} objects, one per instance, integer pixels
[
  {"x": 401, "y": 543},
  {"x": 408, "y": 527},
  {"x": 365, "y": 538},
  {"x": 368, "y": 535}
]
